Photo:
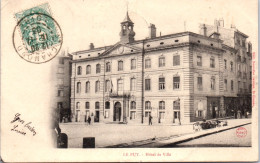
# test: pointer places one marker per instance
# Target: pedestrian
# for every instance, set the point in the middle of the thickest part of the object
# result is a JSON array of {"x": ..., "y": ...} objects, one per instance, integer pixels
[
  {"x": 89, "y": 120},
  {"x": 150, "y": 120}
]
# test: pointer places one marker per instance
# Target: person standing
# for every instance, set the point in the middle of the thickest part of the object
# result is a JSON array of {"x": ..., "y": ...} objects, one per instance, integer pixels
[
  {"x": 150, "y": 120},
  {"x": 89, "y": 120}
]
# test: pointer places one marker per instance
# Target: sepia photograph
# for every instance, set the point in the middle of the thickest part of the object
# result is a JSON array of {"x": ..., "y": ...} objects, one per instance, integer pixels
[{"x": 131, "y": 80}]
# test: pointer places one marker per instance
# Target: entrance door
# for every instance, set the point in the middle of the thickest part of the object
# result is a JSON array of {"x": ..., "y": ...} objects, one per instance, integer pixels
[
  {"x": 176, "y": 116},
  {"x": 96, "y": 119},
  {"x": 117, "y": 111}
]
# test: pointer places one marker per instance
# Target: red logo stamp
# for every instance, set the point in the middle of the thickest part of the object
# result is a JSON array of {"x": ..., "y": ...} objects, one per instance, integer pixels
[{"x": 241, "y": 132}]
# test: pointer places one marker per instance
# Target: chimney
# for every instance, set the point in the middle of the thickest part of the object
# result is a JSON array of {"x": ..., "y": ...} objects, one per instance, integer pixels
[
  {"x": 152, "y": 31},
  {"x": 221, "y": 22},
  {"x": 203, "y": 30},
  {"x": 91, "y": 46}
]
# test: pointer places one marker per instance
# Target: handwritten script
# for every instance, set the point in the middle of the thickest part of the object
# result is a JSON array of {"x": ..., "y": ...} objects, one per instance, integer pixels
[{"x": 20, "y": 126}]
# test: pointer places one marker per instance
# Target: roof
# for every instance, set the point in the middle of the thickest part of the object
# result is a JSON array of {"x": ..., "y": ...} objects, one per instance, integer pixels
[{"x": 127, "y": 18}]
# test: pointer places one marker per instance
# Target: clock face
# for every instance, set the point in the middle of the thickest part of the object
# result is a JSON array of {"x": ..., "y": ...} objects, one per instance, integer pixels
[{"x": 120, "y": 50}]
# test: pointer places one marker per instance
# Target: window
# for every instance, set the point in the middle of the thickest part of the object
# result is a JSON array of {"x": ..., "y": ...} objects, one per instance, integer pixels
[
  {"x": 176, "y": 82},
  {"x": 231, "y": 66},
  {"x": 225, "y": 63},
  {"x": 132, "y": 115},
  {"x": 59, "y": 104},
  {"x": 147, "y": 84},
  {"x": 176, "y": 60},
  {"x": 88, "y": 70},
  {"x": 78, "y": 87},
  {"x": 161, "y": 115},
  {"x": 161, "y": 105},
  {"x": 97, "y": 105},
  {"x": 120, "y": 85},
  {"x": 200, "y": 86},
  {"x": 97, "y": 87},
  {"x": 120, "y": 65},
  {"x": 176, "y": 105},
  {"x": 212, "y": 62},
  {"x": 238, "y": 86},
  {"x": 61, "y": 61},
  {"x": 87, "y": 105},
  {"x": 98, "y": 68},
  {"x": 107, "y": 105},
  {"x": 212, "y": 83},
  {"x": 79, "y": 70},
  {"x": 161, "y": 61},
  {"x": 225, "y": 84},
  {"x": 148, "y": 105},
  {"x": 199, "y": 61},
  {"x": 60, "y": 93},
  {"x": 132, "y": 84},
  {"x": 147, "y": 114},
  {"x": 199, "y": 113},
  {"x": 87, "y": 87},
  {"x": 77, "y": 105},
  {"x": 133, "y": 105},
  {"x": 108, "y": 67},
  {"x": 161, "y": 83},
  {"x": 148, "y": 63},
  {"x": 232, "y": 85},
  {"x": 133, "y": 64},
  {"x": 107, "y": 86},
  {"x": 61, "y": 70},
  {"x": 60, "y": 81}
]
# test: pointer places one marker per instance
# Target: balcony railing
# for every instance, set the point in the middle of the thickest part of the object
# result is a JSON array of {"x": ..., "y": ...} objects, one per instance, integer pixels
[{"x": 120, "y": 94}]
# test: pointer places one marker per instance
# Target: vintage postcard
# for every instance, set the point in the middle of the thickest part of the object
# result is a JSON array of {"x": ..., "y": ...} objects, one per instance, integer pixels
[{"x": 129, "y": 80}]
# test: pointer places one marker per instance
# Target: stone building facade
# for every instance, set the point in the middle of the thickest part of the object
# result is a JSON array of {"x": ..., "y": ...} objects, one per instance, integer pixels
[{"x": 176, "y": 78}]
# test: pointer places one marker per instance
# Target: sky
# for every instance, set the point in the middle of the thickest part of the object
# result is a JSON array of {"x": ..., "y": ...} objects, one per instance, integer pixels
[{"x": 83, "y": 21}]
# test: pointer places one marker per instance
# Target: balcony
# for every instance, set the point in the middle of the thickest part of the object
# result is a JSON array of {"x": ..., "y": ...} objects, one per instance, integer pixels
[{"x": 125, "y": 94}]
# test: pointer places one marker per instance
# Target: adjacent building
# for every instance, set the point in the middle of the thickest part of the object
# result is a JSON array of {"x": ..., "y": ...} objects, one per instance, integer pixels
[
  {"x": 63, "y": 86},
  {"x": 176, "y": 78}
]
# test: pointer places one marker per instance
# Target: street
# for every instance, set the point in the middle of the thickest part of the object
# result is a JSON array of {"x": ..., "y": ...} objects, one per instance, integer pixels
[{"x": 226, "y": 138}]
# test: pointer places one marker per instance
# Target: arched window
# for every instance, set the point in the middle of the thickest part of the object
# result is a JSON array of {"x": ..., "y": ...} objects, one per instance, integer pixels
[
  {"x": 133, "y": 105},
  {"x": 120, "y": 65},
  {"x": 78, "y": 105},
  {"x": 97, "y": 87},
  {"x": 133, "y": 64},
  {"x": 148, "y": 105},
  {"x": 176, "y": 105},
  {"x": 107, "y": 105},
  {"x": 88, "y": 69},
  {"x": 107, "y": 86},
  {"x": 79, "y": 71},
  {"x": 132, "y": 84},
  {"x": 161, "y": 61},
  {"x": 98, "y": 68},
  {"x": 97, "y": 105},
  {"x": 161, "y": 83},
  {"x": 87, "y": 87},
  {"x": 119, "y": 85},
  {"x": 108, "y": 67},
  {"x": 212, "y": 83},
  {"x": 78, "y": 87},
  {"x": 147, "y": 63},
  {"x": 161, "y": 105},
  {"x": 87, "y": 105}
]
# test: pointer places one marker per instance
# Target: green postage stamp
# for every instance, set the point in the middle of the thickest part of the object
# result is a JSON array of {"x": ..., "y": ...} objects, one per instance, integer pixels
[{"x": 37, "y": 37}]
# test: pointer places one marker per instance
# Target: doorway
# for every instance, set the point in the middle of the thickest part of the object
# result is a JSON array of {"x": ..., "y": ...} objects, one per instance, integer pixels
[
  {"x": 117, "y": 111},
  {"x": 96, "y": 119},
  {"x": 176, "y": 116}
]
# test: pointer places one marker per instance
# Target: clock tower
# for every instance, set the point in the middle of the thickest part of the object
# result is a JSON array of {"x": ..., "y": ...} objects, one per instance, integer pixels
[{"x": 127, "y": 30}]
